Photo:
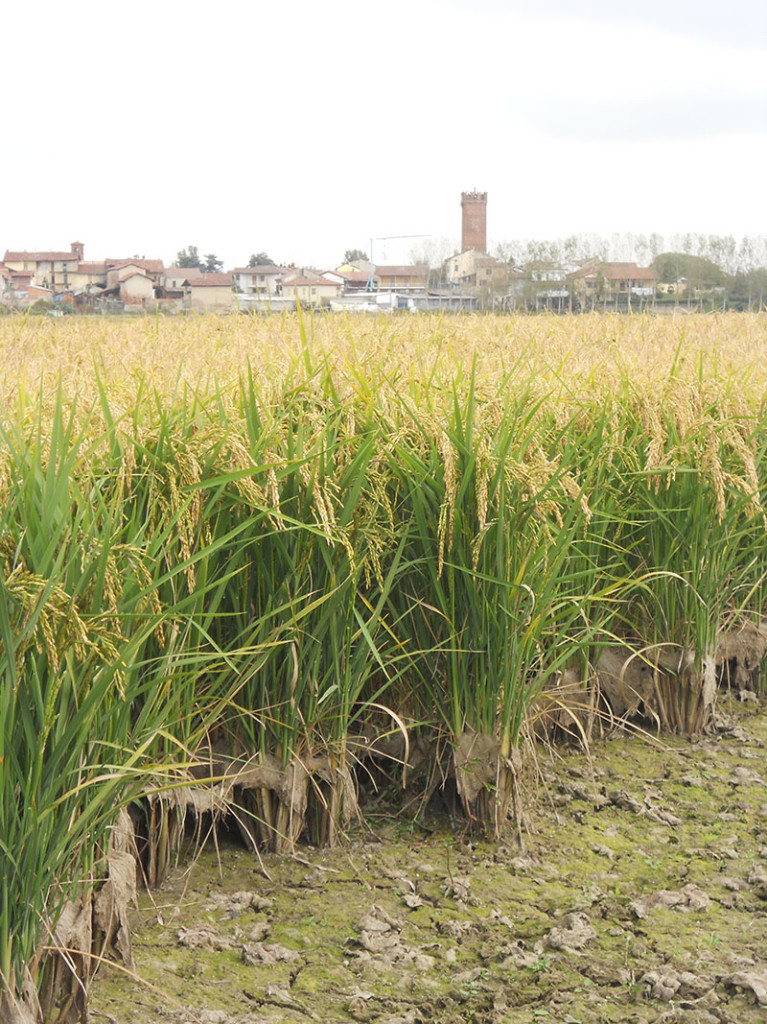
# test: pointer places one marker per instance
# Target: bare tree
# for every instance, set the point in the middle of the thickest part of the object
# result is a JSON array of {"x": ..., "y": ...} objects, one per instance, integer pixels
[{"x": 433, "y": 250}]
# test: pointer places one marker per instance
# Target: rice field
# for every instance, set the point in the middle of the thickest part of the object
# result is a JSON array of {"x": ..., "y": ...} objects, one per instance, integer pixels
[{"x": 250, "y": 565}]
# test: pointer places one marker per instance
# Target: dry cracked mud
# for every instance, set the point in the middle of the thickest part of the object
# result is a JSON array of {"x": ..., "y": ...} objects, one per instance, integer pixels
[{"x": 640, "y": 895}]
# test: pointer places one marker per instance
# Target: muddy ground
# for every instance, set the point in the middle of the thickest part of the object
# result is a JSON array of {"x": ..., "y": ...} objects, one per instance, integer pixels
[{"x": 640, "y": 895}]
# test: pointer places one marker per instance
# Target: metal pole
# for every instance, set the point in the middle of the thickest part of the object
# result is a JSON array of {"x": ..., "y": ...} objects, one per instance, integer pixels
[
  {"x": 370, "y": 268},
  {"x": 384, "y": 238}
]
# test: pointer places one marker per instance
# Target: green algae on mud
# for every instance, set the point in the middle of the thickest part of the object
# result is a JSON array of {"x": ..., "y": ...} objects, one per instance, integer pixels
[{"x": 640, "y": 895}]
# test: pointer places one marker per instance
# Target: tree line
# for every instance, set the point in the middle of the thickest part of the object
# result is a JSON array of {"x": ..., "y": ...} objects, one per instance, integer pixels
[
  {"x": 735, "y": 270},
  {"x": 732, "y": 255},
  {"x": 211, "y": 264}
]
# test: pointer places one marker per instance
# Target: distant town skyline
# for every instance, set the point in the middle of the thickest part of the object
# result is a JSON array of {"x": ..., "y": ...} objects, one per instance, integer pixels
[{"x": 239, "y": 129}]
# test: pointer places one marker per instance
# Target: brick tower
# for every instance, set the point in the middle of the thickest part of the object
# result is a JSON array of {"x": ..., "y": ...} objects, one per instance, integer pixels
[{"x": 474, "y": 221}]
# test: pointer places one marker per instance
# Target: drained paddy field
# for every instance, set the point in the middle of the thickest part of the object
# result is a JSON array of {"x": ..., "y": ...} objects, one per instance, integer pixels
[
  {"x": 447, "y": 633},
  {"x": 639, "y": 894}
]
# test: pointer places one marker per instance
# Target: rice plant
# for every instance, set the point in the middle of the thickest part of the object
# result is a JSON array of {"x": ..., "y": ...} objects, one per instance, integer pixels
[{"x": 236, "y": 556}]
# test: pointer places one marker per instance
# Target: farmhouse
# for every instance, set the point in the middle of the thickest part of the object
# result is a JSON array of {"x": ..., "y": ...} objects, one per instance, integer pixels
[
  {"x": 88, "y": 277},
  {"x": 175, "y": 279},
  {"x": 211, "y": 293},
  {"x": 351, "y": 279},
  {"x": 413, "y": 278},
  {"x": 49, "y": 269},
  {"x": 612, "y": 283},
  {"x": 261, "y": 281},
  {"x": 473, "y": 269},
  {"x": 311, "y": 291}
]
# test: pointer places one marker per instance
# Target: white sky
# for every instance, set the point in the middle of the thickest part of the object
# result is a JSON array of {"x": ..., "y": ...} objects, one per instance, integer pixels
[{"x": 305, "y": 127}]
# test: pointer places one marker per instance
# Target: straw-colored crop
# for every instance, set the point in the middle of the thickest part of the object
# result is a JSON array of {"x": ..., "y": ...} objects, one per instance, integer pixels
[{"x": 248, "y": 565}]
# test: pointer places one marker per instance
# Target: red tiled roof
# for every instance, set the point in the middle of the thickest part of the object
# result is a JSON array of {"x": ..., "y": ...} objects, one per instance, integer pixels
[
  {"x": 417, "y": 270},
  {"x": 92, "y": 268},
  {"x": 153, "y": 266},
  {"x": 352, "y": 276},
  {"x": 263, "y": 268},
  {"x": 616, "y": 272},
  {"x": 212, "y": 281},
  {"x": 306, "y": 273},
  {"x": 37, "y": 257},
  {"x": 184, "y": 272},
  {"x": 313, "y": 281},
  {"x": 627, "y": 272}
]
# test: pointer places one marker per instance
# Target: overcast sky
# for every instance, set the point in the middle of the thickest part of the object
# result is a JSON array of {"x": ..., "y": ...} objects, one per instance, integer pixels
[{"x": 303, "y": 128}]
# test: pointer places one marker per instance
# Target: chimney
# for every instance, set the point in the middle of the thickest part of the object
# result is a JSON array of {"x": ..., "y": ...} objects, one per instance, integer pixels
[{"x": 474, "y": 221}]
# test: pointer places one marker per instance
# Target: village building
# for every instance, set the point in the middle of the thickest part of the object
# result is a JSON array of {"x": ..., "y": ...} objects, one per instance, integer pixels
[
  {"x": 262, "y": 282},
  {"x": 129, "y": 282},
  {"x": 135, "y": 288},
  {"x": 17, "y": 289},
  {"x": 351, "y": 279},
  {"x": 354, "y": 277},
  {"x": 616, "y": 284},
  {"x": 472, "y": 269},
  {"x": 88, "y": 276},
  {"x": 212, "y": 293},
  {"x": 305, "y": 273},
  {"x": 152, "y": 269},
  {"x": 411, "y": 278},
  {"x": 311, "y": 291},
  {"x": 49, "y": 270},
  {"x": 175, "y": 279}
]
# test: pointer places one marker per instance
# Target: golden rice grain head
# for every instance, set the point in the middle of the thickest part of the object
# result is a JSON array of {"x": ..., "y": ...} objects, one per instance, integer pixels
[{"x": 712, "y": 469}]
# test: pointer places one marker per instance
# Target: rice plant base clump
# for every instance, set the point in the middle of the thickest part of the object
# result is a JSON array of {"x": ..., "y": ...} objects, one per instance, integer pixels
[{"x": 487, "y": 781}]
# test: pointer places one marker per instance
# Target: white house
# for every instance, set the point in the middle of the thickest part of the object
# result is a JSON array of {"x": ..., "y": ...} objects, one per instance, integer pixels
[{"x": 261, "y": 281}]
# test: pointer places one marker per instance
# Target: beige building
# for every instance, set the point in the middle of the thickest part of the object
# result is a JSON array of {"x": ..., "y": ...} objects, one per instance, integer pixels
[
  {"x": 414, "y": 277},
  {"x": 88, "y": 276},
  {"x": 305, "y": 273},
  {"x": 351, "y": 280},
  {"x": 131, "y": 283},
  {"x": 612, "y": 282},
  {"x": 153, "y": 269},
  {"x": 136, "y": 289},
  {"x": 311, "y": 291},
  {"x": 472, "y": 269},
  {"x": 49, "y": 269},
  {"x": 212, "y": 293},
  {"x": 176, "y": 277}
]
